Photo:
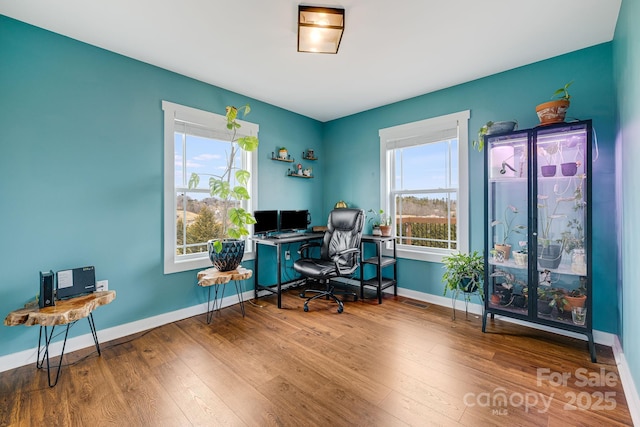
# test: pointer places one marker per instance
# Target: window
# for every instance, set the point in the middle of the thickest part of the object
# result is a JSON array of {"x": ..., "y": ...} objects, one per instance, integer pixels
[
  {"x": 196, "y": 141},
  {"x": 424, "y": 185}
]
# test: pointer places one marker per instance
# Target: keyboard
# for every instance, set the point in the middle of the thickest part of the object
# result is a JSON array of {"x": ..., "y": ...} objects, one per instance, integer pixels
[{"x": 287, "y": 235}]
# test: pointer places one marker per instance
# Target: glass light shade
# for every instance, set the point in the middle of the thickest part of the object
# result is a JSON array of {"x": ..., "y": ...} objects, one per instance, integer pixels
[{"x": 319, "y": 29}]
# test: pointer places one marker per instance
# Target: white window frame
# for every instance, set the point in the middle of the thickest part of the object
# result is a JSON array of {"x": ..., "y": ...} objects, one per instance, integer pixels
[
  {"x": 416, "y": 133},
  {"x": 174, "y": 263}
]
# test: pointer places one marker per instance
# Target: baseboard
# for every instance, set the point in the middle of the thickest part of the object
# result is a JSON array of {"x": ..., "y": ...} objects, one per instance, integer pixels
[
  {"x": 26, "y": 357},
  {"x": 599, "y": 337},
  {"x": 629, "y": 386}
]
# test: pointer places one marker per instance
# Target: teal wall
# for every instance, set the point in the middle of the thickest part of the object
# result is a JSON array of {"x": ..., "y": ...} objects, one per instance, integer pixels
[
  {"x": 81, "y": 172},
  {"x": 352, "y": 144},
  {"x": 81, "y": 166},
  {"x": 627, "y": 73}
]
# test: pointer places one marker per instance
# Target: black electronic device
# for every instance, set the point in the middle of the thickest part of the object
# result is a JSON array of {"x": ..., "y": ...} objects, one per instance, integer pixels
[
  {"x": 46, "y": 298},
  {"x": 266, "y": 222},
  {"x": 75, "y": 282},
  {"x": 294, "y": 220}
]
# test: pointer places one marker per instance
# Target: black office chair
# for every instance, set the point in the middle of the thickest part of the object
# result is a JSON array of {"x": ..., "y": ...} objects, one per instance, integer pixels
[{"x": 339, "y": 255}]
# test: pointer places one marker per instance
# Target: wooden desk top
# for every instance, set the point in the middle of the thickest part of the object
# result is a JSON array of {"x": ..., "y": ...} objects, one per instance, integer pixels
[
  {"x": 65, "y": 311},
  {"x": 212, "y": 276}
]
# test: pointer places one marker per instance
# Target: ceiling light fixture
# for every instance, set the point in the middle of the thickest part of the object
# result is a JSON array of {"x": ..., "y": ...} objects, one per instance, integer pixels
[{"x": 319, "y": 29}]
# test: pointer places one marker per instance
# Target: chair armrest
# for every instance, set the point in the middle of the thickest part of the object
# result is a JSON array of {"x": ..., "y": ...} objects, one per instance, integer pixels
[
  {"x": 343, "y": 255},
  {"x": 304, "y": 248}
]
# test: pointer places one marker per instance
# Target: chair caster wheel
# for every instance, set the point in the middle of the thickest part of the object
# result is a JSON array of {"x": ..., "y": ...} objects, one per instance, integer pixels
[
  {"x": 340, "y": 309},
  {"x": 302, "y": 295},
  {"x": 306, "y": 308}
]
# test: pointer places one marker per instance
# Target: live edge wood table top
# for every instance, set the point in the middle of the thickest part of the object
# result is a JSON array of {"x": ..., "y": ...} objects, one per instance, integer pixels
[
  {"x": 212, "y": 276},
  {"x": 64, "y": 312}
]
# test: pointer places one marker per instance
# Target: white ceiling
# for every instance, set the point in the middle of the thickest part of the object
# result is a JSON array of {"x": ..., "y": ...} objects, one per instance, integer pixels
[{"x": 390, "y": 50}]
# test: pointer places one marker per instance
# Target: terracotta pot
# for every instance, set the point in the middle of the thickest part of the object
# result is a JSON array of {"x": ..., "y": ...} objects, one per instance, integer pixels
[
  {"x": 505, "y": 249},
  {"x": 385, "y": 230},
  {"x": 576, "y": 301},
  {"x": 552, "y": 111}
]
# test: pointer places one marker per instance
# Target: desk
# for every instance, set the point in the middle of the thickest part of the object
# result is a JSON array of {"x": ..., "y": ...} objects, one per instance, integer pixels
[
  {"x": 214, "y": 277},
  {"x": 65, "y": 312},
  {"x": 270, "y": 241}
]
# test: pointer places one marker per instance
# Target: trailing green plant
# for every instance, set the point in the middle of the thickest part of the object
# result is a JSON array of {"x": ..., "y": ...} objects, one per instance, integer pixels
[
  {"x": 459, "y": 266},
  {"x": 484, "y": 130},
  {"x": 236, "y": 219}
]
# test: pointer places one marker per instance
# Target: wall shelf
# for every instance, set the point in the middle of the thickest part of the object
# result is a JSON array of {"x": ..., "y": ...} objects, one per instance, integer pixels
[
  {"x": 288, "y": 160},
  {"x": 296, "y": 175}
]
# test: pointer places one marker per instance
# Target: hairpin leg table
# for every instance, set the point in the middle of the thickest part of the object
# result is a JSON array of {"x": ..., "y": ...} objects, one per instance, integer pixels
[
  {"x": 212, "y": 277},
  {"x": 65, "y": 312}
]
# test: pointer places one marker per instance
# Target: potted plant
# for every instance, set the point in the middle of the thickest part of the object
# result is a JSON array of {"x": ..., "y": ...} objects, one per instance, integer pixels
[
  {"x": 490, "y": 128},
  {"x": 510, "y": 291},
  {"x": 573, "y": 243},
  {"x": 283, "y": 153},
  {"x": 549, "y": 251},
  {"x": 578, "y": 297},
  {"x": 507, "y": 228},
  {"x": 554, "y": 111},
  {"x": 521, "y": 256},
  {"x": 549, "y": 152},
  {"x": 230, "y": 187},
  {"x": 380, "y": 223},
  {"x": 464, "y": 272}
]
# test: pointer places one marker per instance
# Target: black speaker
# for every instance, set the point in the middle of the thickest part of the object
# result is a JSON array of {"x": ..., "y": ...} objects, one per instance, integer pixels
[{"x": 46, "y": 289}]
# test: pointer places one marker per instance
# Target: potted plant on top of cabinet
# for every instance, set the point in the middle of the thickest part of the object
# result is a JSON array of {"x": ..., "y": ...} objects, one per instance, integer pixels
[
  {"x": 554, "y": 111},
  {"x": 226, "y": 253},
  {"x": 490, "y": 128}
]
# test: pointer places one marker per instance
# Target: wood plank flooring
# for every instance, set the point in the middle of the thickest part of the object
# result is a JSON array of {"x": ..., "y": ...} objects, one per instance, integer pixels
[{"x": 395, "y": 364}]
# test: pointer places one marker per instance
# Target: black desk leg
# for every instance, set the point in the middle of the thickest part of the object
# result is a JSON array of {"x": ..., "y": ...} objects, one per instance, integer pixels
[{"x": 279, "y": 274}]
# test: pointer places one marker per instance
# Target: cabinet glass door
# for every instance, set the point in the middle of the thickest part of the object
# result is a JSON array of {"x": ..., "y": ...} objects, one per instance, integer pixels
[
  {"x": 507, "y": 223},
  {"x": 561, "y": 155}
]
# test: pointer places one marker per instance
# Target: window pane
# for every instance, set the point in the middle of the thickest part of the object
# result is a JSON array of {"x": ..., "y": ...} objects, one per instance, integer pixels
[
  {"x": 203, "y": 156},
  {"x": 427, "y": 219},
  {"x": 433, "y": 165},
  {"x": 198, "y": 217}
]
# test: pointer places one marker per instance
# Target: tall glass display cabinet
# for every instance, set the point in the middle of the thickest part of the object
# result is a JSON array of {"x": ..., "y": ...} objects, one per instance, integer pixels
[{"x": 538, "y": 227}]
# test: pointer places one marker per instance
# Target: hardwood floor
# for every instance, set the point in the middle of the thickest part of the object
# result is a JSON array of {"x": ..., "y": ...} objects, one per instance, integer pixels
[{"x": 396, "y": 364}]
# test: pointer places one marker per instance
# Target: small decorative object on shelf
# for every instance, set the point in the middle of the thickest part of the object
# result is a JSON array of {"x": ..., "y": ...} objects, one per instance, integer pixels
[
  {"x": 283, "y": 154},
  {"x": 299, "y": 172},
  {"x": 287, "y": 158},
  {"x": 309, "y": 155}
]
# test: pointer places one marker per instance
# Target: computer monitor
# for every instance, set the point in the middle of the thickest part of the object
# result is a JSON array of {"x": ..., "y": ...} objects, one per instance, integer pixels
[
  {"x": 294, "y": 220},
  {"x": 266, "y": 222}
]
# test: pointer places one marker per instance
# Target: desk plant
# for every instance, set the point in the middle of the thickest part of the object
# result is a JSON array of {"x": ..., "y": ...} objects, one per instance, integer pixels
[
  {"x": 227, "y": 253},
  {"x": 381, "y": 222},
  {"x": 508, "y": 227}
]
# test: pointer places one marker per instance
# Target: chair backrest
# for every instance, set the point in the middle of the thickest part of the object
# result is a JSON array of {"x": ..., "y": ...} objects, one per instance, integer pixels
[{"x": 344, "y": 231}]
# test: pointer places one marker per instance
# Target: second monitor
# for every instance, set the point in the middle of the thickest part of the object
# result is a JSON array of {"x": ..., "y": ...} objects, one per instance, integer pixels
[{"x": 294, "y": 220}]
